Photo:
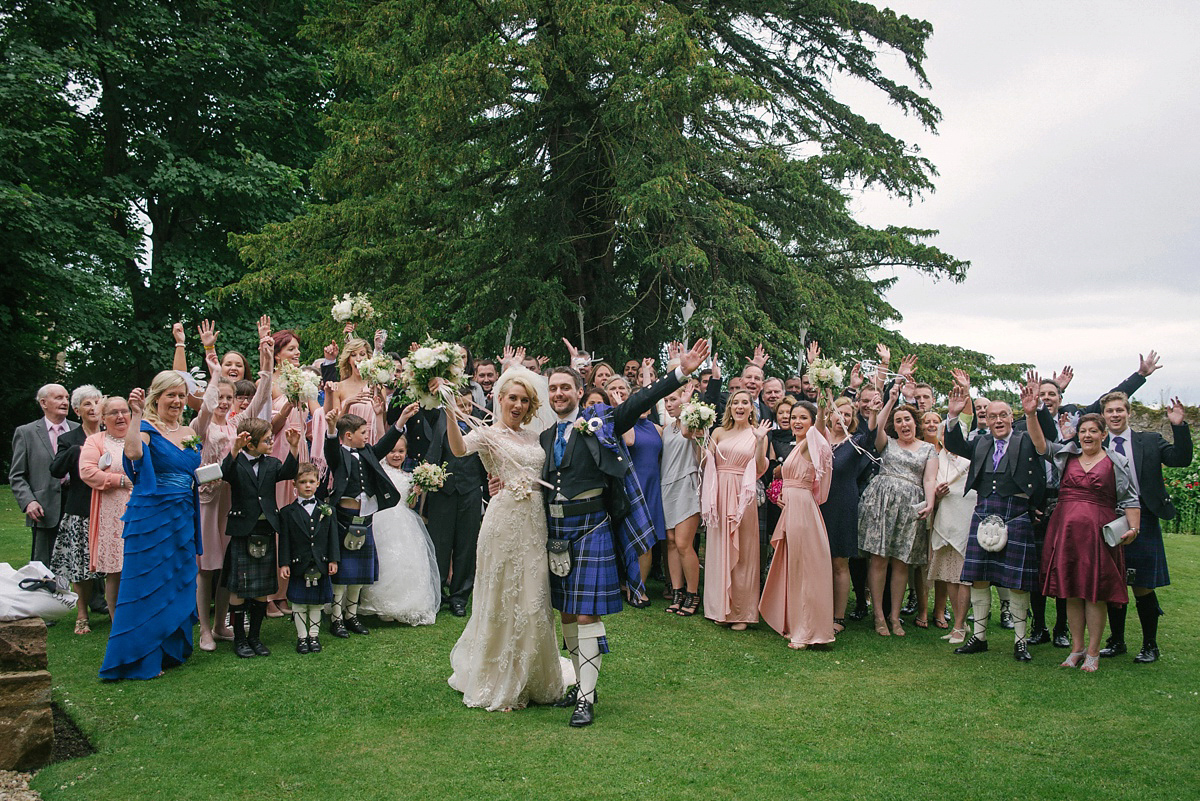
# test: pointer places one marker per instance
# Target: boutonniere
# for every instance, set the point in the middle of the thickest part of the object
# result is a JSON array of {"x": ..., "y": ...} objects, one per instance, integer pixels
[
  {"x": 588, "y": 426},
  {"x": 324, "y": 510},
  {"x": 193, "y": 443}
]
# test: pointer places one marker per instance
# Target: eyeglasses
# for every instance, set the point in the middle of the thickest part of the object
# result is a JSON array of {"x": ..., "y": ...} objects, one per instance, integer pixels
[
  {"x": 999, "y": 416},
  {"x": 119, "y": 413}
]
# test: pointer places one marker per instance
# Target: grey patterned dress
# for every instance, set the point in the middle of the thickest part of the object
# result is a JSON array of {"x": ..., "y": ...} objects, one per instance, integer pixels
[{"x": 887, "y": 514}]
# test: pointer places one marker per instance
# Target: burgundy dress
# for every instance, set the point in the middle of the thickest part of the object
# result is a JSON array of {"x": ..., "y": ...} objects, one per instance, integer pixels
[{"x": 1076, "y": 561}]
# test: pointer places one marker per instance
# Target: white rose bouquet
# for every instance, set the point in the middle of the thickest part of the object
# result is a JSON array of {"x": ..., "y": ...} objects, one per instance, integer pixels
[
  {"x": 427, "y": 478},
  {"x": 353, "y": 308},
  {"x": 298, "y": 386},
  {"x": 825, "y": 374},
  {"x": 698, "y": 415},
  {"x": 432, "y": 360},
  {"x": 378, "y": 370}
]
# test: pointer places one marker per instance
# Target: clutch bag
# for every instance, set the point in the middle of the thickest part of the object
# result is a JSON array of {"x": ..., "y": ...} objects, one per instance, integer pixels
[
  {"x": 1114, "y": 531},
  {"x": 206, "y": 473}
]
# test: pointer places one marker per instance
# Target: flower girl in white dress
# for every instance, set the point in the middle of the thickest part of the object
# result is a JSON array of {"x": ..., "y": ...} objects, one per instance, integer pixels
[{"x": 409, "y": 589}]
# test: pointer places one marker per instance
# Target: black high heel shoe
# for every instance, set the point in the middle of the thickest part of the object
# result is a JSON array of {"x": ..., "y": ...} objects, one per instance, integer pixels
[
  {"x": 689, "y": 604},
  {"x": 676, "y": 600}
]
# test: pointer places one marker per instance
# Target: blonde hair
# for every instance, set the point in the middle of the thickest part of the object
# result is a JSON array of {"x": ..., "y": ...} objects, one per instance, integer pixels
[
  {"x": 167, "y": 379},
  {"x": 844, "y": 401},
  {"x": 530, "y": 390},
  {"x": 345, "y": 370},
  {"x": 727, "y": 420}
]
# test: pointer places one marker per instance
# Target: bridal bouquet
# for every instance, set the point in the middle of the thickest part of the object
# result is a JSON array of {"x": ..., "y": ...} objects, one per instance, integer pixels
[
  {"x": 825, "y": 374},
  {"x": 433, "y": 359},
  {"x": 427, "y": 478},
  {"x": 698, "y": 415},
  {"x": 353, "y": 308},
  {"x": 298, "y": 386},
  {"x": 378, "y": 370}
]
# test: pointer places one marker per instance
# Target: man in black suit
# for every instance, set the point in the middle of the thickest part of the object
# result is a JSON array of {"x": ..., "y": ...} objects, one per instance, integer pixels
[
  {"x": 455, "y": 511},
  {"x": 38, "y": 494},
  {"x": 1007, "y": 473},
  {"x": 360, "y": 488},
  {"x": 1145, "y": 557},
  {"x": 587, "y": 481},
  {"x": 308, "y": 555}
]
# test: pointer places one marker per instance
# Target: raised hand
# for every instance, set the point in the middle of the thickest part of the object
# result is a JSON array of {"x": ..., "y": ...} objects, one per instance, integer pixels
[
  {"x": 572, "y": 351},
  {"x": 884, "y": 353},
  {"x": 813, "y": 353},
  {"x": 242, "y": 440},
  {"x": 348, "y": 330},
  {"x": 266, "y": 354},
  {"x": 137, "y": 402},
  {"x": 695, "y": 357},
  {"x": 856, "y": 376},
  {"x": 716, "y": 366},
  {"x": 264, "y": 328},
  {"x": 1063, "y": 379},
  {"x": 293, "y": 439},
  {"x": 957, "y": 400},
  {"x": 961, "y": 378},
  {"x": 177, "y": 333},
  {"x": 760, "y": 356},
  {"x": 1065, "y": 428},
  {"x": 208, "y": 334},
  {"x": 674, "y": 349},
  {"x": 331, "y": 418},
  {"x": 1148, "y": 364},
  {"x": 543, "y": 361},
  {"x": 332, "y": 350},
  {"x": 1029, "y": 400},
  {"x": 407, "y": 413},
  {"x": 644, "y": 372},
  {"x": 380, "y": 339},
  {"x": 214, "y": 366},
  {"x": 761, "y": 430},
  {"x": 907, "y": 366},
  {"x": 378, "y": 403},
  {"x": 1176, "y": 412}
]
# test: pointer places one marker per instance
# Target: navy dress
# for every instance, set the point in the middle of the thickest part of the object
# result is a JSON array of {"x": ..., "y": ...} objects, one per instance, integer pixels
[
  {"x": 646, "y": 451},
  {"x": 840, "y": 510},
  {"x": 156, "y": 604}
]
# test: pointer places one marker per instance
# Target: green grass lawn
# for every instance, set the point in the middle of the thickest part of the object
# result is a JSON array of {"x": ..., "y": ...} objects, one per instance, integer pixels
[{"x": 687, "y": 711}]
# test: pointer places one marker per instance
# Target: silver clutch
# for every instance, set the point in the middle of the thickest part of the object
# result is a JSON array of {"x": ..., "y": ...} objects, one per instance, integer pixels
[
  {"x": 1114, "y": 531},
  {"x": 206, "y": 473}
]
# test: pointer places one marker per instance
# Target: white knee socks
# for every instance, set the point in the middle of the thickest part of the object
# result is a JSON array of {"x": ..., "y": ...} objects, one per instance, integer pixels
[
  {"x": 981, "y": 604},
  {"x": 589, "y": 659},
  {"x": 571, "y": 639},
  {"x": 353, "y": 592},
  {"x": 345, "y": 600},
  {"x": 1019, "y": 608}
]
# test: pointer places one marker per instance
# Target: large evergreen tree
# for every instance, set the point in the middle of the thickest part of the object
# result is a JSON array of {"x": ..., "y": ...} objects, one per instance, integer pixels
[{"x": 614, "y": 155}]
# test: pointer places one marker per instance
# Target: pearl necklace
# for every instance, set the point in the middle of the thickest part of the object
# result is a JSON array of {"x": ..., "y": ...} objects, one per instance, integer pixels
[{"x": 172, "y": 430}]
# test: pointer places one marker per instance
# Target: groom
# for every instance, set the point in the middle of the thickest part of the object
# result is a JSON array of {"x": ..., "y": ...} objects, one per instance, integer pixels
[{"x": 587, "y": 483}]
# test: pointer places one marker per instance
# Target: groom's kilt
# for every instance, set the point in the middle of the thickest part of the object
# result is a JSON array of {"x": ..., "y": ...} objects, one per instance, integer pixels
[
  {"x": 1015, "y": 566},
  {"x": 591, "y": 588}
]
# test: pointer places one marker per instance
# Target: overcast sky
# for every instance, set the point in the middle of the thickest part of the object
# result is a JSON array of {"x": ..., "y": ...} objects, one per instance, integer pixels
[{"x": 1069, "y": 178}]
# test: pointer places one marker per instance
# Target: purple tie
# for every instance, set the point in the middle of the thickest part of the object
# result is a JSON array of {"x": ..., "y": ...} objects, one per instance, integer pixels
[
  {"x": 999, "y": 454},
  {"x": 1119, "y": 443}
]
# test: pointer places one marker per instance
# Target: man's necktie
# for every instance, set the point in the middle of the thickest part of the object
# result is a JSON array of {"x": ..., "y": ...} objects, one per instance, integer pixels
[
  {"x": 1001, "y": 445},
  {"x": 1119, "y": 444},
  {"x": 560, "y": 443}
]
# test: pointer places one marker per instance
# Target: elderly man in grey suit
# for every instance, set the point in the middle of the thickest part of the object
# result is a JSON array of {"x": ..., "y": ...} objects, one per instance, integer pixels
[{"x": 38, "y": 493}]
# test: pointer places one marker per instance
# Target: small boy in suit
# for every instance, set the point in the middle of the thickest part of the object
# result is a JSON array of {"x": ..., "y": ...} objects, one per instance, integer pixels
[
  {"x": 250, "y": 563},
  {"x": 360, "y": 489},
  {"x": 308, "y": 556}
]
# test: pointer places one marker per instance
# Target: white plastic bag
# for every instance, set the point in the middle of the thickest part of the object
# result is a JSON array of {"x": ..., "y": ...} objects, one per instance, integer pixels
[{"x": 35, "y": 599}]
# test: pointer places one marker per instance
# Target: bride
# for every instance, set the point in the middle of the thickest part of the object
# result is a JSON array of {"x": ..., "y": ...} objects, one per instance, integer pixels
[{"x": 507, "y": 657}]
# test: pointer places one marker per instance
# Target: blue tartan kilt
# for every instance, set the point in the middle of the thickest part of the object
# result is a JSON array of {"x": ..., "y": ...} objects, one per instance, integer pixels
[
  {"x": 318, "y": 595},
  {"x": 1015, "y": 566},
  {"x": 592, "y": 586},
  {"x": 1145, "y": 557},
  {"x": 356, "y": 567}
]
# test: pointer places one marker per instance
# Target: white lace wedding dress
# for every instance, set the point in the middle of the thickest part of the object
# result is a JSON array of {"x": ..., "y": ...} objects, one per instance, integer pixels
[
  {"x": 507, "y": 657},
  {"x": 409, "y": 588}
]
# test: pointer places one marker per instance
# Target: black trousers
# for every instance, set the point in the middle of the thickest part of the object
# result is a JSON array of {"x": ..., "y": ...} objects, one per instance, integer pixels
[{"x": 453, "y": 522}]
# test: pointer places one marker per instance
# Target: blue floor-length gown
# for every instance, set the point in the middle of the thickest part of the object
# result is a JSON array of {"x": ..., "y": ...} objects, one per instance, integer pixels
[{"x": 156, "y": 604}]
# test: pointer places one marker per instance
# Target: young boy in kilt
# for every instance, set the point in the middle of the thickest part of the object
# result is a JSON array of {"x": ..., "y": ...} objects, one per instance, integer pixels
[
  {"x": 250, "y": 563},
  {"x": 1010, "y": 479},
  {"x": 360, "y": 489},
  {"x": 308, "y": 556}
]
